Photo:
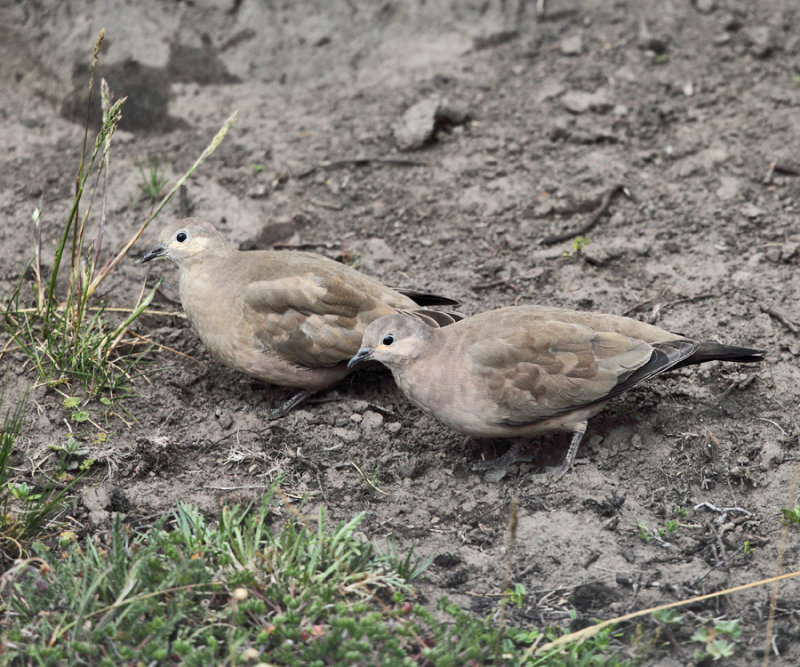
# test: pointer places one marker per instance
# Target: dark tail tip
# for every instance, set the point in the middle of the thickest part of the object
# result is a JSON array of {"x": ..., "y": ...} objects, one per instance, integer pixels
[
  {"x": 718, "y": 352},
  {"x": 427, "y": 299}
]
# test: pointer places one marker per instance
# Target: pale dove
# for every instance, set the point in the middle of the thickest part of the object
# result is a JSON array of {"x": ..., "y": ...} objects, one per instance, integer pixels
[
  {"x": 524, "y": 370},
  {"x": 289, "y": 318}
]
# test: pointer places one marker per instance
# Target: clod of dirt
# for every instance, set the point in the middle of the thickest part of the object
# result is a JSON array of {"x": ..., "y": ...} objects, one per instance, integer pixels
[
  {"x": 705, "y": 6},
  {"x": 761, "y": 41},
  {"x": 771, "y": 455},
  {"x": 592, "y": 597},
  {"x": 97, "y": 501},
  {"x": 572, "y": 45},
  {"x": 577, "y": 101},
  {"x": 422, "y": 121}
]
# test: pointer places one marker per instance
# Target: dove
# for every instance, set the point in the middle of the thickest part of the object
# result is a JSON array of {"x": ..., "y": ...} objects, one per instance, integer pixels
[
  {"x": 286, "y": 317},
  {"x": 520, "y": 371}
]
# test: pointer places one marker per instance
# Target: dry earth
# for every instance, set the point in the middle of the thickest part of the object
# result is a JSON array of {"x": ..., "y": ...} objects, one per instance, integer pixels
[{"x": 686, "y": 103}]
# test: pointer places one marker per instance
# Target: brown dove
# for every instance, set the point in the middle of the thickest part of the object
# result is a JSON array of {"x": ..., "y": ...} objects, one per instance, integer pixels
[
  {"x": 523, "y": 370},
  {"x": 286, "y": 317}
]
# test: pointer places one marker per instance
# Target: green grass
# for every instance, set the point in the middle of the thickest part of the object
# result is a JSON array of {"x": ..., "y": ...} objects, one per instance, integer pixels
[
  {"x": 25, "y": 508},
  {"x": 152, "y": 184},
  {"x": 67, "y": 335},
  {"x": 191, "y": 593}
]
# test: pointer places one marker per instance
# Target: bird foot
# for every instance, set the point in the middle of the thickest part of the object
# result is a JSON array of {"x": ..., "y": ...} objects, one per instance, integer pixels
[
  {"x": 501, "y": 462},
  {"x": 288, "y": 406}
]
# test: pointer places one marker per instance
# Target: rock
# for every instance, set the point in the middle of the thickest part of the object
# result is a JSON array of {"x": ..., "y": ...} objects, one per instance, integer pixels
[
  {"x": 705, "y": 6},
  {"x": 729, "y": 187},
  {"x": 421, "y": 122},
  {"x": 394, "y": 427},
  {"x": 416, "y": 126},
  {"x": 371, "y": 420},
  {"x": 97, "y": 500},
  {"x": 751, "y": 211},
  {"x": 572, "y": 45},
  {"x": 761, "y": 41},
  {"x": 548, "y": 89},
  {"x": 379, "y": 251},
  {"x": 347, "y": 434},
  {"x": 771, "y": 455},
  {"x": 789, "y": 251},
  {"x": 773, "y": 254},
  {"x": 577, "y": 102},
  {"x": 657, "y": 44}
]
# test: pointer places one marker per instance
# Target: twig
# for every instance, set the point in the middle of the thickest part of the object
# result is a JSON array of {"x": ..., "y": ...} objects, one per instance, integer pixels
[
  {"x": 700, "y": 578},
  {"x": 324, "y": 204},
  {"x": 360, "y": 162},
  {"x": 310, "y": 245},
  {"x": 633, "y": 309},
  {"x": 773, "y": 600},
  {"x": 582, "y": 635},
  {"x": 783, "y": 168},
  {"x": 495, "y": 283},
  {"x": 738, "y": 384},
  {"x": 781, "y": 317},
  {"x": 722, "y": 510},
  {"x": 689, "y": 299},
  {"x": 593, "y": 218},
  {"x": 774, "y": 423},
  {"x": 367, "y": 480},
  {"x": 513, "y": 520}
]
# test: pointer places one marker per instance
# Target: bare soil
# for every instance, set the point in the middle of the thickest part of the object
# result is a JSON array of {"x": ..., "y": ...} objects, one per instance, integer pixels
[{"x": 688, "y": 104}]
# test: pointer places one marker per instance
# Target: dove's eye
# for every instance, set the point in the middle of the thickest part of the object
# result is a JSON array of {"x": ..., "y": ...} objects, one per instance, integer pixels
[
  {"x": 180, "y": 237},
  {"x": 388, "y": 339}
]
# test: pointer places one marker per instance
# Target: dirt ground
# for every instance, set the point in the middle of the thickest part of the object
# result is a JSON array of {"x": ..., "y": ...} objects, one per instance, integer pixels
[{"x": 694, "y": 106}]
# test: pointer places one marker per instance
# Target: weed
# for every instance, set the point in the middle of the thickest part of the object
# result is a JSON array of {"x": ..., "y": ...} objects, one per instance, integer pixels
[
  {"x": 790, "y": 515},
  {"x": 152, "y": 185},
  {"x": 66, "y": 336},
  {"x": 517, "y": 596},
  {"x": 643, "y": 532},
  {"x": 241, "y": 591},
  {"x": 671, "y": 525},
  {"x": 24, "y": 508},
  {"x": 718, "y": 642},
  {"x": 578, "y": 244},
  {"x": 72, "y": 456}
]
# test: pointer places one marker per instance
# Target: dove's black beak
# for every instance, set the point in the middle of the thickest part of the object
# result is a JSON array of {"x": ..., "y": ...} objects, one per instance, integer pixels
[
  {"x": 158, "y": 251},
  {"x": 364, "y": 354}
]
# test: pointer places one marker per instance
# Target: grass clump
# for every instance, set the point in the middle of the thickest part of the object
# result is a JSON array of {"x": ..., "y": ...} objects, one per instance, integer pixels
[
  {"x": 62, "y": 328},
  {"x": 24, "y": 509},
  {"x": 241, "y": 591}
]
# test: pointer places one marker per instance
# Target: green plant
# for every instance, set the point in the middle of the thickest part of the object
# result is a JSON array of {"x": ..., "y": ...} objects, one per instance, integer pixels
[
  {"x": 643, "y": 532},
  {"x": 718, "y": 642},
  {"x": 244, "y": 590},
  {"x": 578, "y": 244},
  {"x": 24, "y": 508},
  {"x": 408, "y": 567},
  {"x": 517, "y": 596},
  {"x": 72, "y": 456},
  {"x": 65, "y": 333},
  {"x": 790, "y": 514},
  {"x": 151, "y": 184}
]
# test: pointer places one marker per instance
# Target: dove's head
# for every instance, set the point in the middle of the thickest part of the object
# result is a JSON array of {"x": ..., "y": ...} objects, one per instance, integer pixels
[
  {"x": 394, "y": 340},
  {"x": 184, "y": 241}
]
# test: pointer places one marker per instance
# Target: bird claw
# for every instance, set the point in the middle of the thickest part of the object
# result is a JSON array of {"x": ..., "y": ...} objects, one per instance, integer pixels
[{"x": 288, "y": 406}]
